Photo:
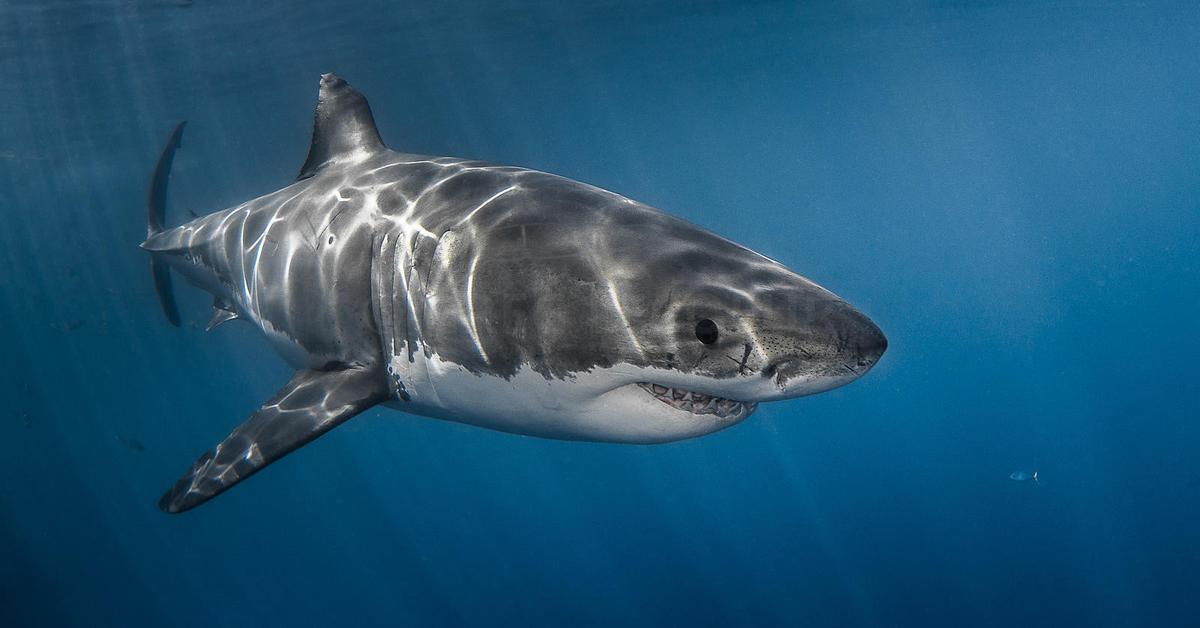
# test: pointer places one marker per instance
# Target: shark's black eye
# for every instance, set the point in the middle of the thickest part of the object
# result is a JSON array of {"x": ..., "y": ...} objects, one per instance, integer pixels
[{"x": 706, "y": 331}]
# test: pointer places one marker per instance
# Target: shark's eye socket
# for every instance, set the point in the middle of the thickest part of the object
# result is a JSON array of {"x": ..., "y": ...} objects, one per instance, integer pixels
[{"x": 706, "y": 331}]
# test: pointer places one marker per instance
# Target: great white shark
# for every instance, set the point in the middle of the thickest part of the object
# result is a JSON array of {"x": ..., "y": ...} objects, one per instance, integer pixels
[{"x": 491, "y": 295}]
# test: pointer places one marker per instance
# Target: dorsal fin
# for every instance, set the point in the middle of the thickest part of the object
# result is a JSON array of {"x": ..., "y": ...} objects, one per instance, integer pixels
[{"x": 343, "y": 127}]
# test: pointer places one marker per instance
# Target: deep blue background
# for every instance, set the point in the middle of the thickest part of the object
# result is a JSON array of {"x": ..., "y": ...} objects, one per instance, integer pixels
[{"x": 1012, "y": 192}]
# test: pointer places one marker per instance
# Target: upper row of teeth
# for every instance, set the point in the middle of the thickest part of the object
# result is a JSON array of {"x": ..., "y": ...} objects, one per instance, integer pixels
[
  {"x": 675, "y": 393},
  {"x": 698, "y": 403}
]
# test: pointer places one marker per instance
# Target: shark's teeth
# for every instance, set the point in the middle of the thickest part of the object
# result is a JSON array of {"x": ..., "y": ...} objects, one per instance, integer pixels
[{"x": 699, "y": 403}]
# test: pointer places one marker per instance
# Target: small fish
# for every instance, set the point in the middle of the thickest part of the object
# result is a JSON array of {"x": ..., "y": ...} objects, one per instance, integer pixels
[
  {"x": 21, "y": 157},
  {"x": 68, "y": 326},
  {"x": 1022, "y": 476},
  {"x": 132, "y": 443}
]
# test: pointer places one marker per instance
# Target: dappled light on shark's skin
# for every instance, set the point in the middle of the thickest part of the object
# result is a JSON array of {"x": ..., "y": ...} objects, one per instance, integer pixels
[{"x": 491, "y": 295}]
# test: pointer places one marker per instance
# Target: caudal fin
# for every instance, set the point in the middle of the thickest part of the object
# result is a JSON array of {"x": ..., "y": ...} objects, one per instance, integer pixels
[{"x": 156, "y": 211}]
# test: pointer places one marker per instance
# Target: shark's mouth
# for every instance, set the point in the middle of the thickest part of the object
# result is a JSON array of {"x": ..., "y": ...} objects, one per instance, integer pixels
[{"x": 699, "y": 403}]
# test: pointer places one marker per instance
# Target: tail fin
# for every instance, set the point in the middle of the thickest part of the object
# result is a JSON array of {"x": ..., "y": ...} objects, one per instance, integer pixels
[{"x": 156, "y": 210}]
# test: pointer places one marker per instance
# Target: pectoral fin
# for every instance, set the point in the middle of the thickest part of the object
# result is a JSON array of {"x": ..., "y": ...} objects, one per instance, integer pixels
[{"x": 312, "y": 403}]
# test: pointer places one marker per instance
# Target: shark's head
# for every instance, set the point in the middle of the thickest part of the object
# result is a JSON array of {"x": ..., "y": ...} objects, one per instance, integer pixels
[
  {"x": 571, "y": 312},
  {"x": 714, "y": 329}
]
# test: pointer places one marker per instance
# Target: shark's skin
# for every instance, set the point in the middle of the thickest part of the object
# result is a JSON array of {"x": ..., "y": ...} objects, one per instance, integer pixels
[{"x": 495, "y": 296}]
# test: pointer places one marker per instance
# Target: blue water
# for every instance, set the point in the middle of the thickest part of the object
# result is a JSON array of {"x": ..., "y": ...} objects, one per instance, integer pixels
[{"x": 1011, "y": 191}]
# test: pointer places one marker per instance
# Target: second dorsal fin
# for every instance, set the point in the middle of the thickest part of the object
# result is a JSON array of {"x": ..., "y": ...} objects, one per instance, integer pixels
[
  {"x": 222, "y": 312},
  {"x": 343, "y": 127}
]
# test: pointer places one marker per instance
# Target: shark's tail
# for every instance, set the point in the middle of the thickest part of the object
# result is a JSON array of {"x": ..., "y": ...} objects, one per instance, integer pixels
[{"x": 156, "y": 210}]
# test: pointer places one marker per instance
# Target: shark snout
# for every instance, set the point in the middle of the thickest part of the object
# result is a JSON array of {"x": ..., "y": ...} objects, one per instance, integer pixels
[
  {"x": 834, "y": 346},
  {"x": 864, "y": 342}
]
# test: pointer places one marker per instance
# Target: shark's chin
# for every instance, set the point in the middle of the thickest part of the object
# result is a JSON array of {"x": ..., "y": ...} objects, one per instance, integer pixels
[{"x": 699, "y": 403}]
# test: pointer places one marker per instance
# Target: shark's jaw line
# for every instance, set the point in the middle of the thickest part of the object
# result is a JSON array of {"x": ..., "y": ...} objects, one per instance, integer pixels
[
  {"x": 616, "y": 404},
  {"x": 699, "y": 403}
]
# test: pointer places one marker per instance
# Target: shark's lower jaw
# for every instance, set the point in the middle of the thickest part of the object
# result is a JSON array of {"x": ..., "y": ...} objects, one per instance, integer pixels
[{"x": 699, "y": 403}]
